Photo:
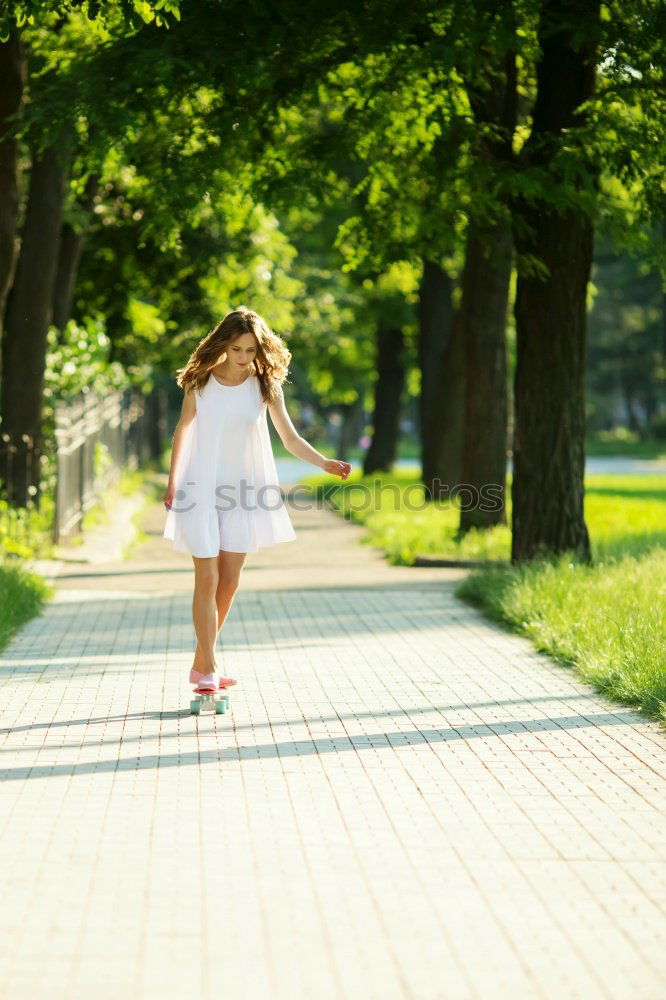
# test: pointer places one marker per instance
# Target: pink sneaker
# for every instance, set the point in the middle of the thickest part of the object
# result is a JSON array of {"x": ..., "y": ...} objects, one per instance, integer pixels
[
  {"x": 196, "y": 679},
  {"x": 208, "y": 682}
]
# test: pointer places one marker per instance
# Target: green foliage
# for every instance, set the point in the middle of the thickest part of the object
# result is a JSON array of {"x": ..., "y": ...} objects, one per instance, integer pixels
[
  {"x": 101, "y": 13},
  {"x": 101, "y": 460},
  {"x": 658, "y": 426},
  {"x": 23, "y": 596},
  {"x": 25, "y": 532},
  {"x": 624, "y": 351},
  {"x": 335, "y": 313},
  {"x": 77, "y": 360},
  {"x": 369, "y": 108},
  {"x": 79, "y": 357},
  {"x": 625, "y": 443},
  {"x": 309, "y": 177}
]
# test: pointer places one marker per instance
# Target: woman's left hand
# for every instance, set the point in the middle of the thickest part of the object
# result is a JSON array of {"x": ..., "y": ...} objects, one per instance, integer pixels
[{"x": 337, "y": 468}]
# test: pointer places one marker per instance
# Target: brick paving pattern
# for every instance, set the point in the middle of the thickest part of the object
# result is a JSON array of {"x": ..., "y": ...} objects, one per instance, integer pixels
[{"x": 404, "y": 802}]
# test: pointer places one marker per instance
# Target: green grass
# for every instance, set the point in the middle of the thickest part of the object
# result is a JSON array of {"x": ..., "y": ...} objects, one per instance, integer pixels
[
  {"x": 625, "y": 444},
  {"x": 620, "y": 443},
  {"x": 606, "y": 619},
  {"x": 623, "y": 513},
  {"x": 398, "y": 521},
  {"x": 23, "y": 596},
  {"x": 26, "y": 534}
]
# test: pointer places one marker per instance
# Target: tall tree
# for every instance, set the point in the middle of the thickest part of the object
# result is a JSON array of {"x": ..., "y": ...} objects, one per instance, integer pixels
[
  {"x": 12, "y": 84},
  {"x": 442, "y": 367},
  {"x": 72, "y": 241},
  {"x": 29, "y": 313},
  {"x": 485, "y": 296},
  {"x": 389, "y": 386},
  {"x": 550, "y": 309}
]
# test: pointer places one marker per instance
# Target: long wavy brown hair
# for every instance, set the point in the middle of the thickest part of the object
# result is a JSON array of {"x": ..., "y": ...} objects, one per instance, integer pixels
[{"x": 270, "y": 365}]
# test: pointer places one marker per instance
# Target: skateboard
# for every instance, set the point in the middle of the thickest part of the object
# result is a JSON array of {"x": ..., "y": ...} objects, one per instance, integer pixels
[{"x": 219, "y": 700}]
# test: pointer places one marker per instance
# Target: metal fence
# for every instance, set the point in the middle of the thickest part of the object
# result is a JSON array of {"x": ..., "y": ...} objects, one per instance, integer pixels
[
  {"x": 96, "y": 437},
  {"x": 19, "y": 469}
]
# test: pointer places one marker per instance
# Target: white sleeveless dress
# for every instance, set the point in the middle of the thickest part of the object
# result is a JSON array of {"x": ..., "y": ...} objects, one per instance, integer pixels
[{"x": 227, "y": 494}]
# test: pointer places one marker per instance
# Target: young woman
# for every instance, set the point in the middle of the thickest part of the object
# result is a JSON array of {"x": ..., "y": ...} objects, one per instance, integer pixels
[{"x": 223, "y": 497}]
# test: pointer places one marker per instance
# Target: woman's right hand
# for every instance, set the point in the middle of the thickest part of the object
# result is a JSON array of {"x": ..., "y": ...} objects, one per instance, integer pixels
[{"x": 337, "y": 467}]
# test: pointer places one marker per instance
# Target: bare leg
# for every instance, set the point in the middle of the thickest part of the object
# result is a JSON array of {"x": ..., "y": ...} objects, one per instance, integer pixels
[
  {"x": 229, "y": 568},
  {"x": 204, "y": 613}
]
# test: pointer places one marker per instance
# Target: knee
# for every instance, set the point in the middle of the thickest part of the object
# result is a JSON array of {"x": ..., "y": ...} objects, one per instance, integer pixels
[
  {"x": 206, "y": 581},
  {"x": 227, "y": 584}
]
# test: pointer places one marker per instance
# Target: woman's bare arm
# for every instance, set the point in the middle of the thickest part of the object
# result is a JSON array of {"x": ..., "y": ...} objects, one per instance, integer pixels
[
  {"x": 297, "y": 445},
  {"x": 187, "y": 414}
]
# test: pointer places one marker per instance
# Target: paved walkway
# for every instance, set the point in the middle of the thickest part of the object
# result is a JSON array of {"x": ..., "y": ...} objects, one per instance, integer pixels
[{"x": 405, "y": 802}]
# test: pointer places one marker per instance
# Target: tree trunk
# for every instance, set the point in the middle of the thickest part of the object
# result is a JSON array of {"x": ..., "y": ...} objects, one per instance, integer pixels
[
  {"x": 663, "y": 305},
  {"x": 549, "y": 435},
  {"x": 388, "y": 395},
  {"x": 71, "y": 246},
  {"x": 12, "y": 82},
  {"x": 442, "y": 395},
  {"x": 352, "y": 414},
  {"x": 483, "y": 316},
  {"x": 27, "y": 320},
  {"x": 483, "y": 309},
  {"x": 629, "y": 395}
]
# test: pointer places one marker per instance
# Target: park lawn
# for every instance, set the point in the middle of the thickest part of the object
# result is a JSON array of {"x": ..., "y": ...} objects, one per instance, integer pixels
[
  {"x": 26, "y": 534},
  {"x": 620, "y": 443},
  {"x": 22, "y": 596},
  {"x": 624, "y": 444},
  {"x": 605, "y": 620},
  {"x": 398, "y": 521},
  {"x": 623, "y": 513}
]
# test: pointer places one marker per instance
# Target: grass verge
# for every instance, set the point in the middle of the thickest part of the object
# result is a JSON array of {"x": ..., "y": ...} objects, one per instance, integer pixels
[
  {"x": 26, "y": 534},
  {"x": 605, "y": 620},
  {"x": 23, "y": 596}
]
